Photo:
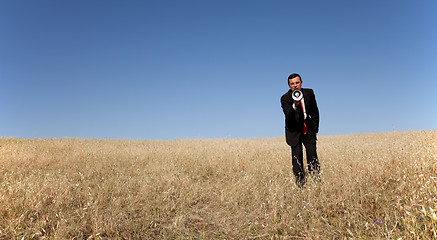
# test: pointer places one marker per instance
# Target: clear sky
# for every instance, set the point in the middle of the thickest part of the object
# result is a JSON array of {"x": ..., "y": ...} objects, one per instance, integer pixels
[{"x": 213, "y": 69}]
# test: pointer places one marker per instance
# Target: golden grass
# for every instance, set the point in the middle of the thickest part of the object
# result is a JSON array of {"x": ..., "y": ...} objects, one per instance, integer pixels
[{"x": 374, "y": 186}]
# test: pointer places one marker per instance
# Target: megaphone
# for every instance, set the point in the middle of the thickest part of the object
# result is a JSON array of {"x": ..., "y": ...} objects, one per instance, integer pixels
[{"x": 297, "y": 95}]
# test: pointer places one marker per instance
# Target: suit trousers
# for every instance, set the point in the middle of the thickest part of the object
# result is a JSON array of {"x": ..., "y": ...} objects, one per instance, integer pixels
[{"x": 309, "y": 141}]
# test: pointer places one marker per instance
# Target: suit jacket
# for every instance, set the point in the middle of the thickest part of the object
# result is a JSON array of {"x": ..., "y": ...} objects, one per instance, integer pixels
[{"x": 294, "y": 119}]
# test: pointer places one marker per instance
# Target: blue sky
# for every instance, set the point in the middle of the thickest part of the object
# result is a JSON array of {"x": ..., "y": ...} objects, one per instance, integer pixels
[{"x": 213, "y": 69}]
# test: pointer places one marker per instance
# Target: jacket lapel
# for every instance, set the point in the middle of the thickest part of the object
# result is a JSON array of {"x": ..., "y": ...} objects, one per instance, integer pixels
[{"x": 306, "y": 99}]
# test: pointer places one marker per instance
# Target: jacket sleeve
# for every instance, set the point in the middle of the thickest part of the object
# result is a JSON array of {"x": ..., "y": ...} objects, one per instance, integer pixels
[
  {"x": 314, "y": 111},
  {"x": 287, "y": 108}
]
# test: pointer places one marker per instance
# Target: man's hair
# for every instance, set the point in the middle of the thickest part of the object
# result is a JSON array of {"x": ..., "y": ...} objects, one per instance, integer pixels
[{"x": 293, "y": 76}]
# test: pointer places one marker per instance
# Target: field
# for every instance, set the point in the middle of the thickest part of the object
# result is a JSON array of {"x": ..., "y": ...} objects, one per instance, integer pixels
[{"x": 374, "y": 186}]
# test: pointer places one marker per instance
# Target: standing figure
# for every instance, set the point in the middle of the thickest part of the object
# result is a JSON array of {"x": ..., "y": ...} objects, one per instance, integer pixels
[{"x": 301, "y": 127}]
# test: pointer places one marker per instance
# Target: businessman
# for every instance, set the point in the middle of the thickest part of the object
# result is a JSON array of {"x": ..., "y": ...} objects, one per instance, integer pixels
[{"x": 301, "y": 127}]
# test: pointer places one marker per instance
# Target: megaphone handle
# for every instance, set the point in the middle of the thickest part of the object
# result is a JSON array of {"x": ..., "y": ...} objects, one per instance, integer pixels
[{"x": 296, "y": 104}]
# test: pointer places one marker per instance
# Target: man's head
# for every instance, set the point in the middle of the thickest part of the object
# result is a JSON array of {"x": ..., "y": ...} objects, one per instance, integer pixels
[{"x": 295, "y": 82}]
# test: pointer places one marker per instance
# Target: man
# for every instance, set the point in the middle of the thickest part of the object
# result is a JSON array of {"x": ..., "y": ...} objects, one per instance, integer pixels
[{"x": 301, "y": 126}]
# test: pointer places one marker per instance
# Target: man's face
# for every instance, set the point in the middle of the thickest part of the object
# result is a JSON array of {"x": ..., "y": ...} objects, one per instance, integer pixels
[{"x": 295, "y": 83}]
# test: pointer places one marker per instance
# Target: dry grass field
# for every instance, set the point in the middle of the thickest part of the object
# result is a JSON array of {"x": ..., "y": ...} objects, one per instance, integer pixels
[{"x": 374, "y": 186}]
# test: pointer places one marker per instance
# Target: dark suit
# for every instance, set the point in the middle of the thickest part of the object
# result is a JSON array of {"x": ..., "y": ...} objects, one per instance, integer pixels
[{"x": 294, "y": 124}]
